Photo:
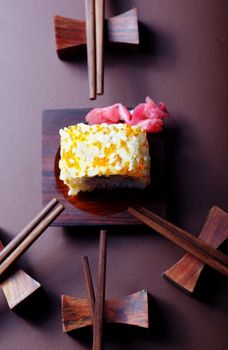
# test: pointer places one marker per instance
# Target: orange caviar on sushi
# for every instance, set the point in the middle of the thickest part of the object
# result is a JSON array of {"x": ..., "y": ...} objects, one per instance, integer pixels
[{"x": 103, "y": 156}]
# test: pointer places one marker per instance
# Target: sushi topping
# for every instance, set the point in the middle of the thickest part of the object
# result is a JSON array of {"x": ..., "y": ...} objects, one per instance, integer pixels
[
  {"x": 104, "y": 150},
  {"x": 149, "y": 115}
]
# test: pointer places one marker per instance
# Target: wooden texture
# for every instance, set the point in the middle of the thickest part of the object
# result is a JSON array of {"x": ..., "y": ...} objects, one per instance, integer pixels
[
  {"x": 186, "y": 272},
  {"x": 99, "y": 14},
  {"x": 70, "y": 34},
  {"x": 91, "y": 45},
  {"x": 129, "y": 310},
  {"x": 185, "y": 240},
  {"x": 30, "y": 239},
  {"x": 17, "y": 285},
  {"x": 100, "y": 295},
  {"x": 88, "y": 285},
  {"x": 123, "y": 29},
  {"x": 14, "y": 243},
  {"x": 96, "y": 208}
]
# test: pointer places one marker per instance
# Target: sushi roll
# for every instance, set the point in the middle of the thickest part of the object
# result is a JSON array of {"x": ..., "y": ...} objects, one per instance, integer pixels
[{"x": 103, "y": 156}]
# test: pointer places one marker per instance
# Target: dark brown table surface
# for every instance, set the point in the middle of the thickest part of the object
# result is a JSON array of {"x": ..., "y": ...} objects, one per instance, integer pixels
[{"x": 184, "y": 64}]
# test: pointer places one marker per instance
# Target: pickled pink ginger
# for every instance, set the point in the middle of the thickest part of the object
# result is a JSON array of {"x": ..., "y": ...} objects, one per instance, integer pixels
[{"x": 149, "y": 115}]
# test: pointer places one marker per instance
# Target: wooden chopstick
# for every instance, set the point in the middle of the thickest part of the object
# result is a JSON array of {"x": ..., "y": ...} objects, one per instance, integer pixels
[
  {"x": 30, "y": 238},
  {"x": 99, "y": 20},
  {"x": 100, "y": 295},
  {"x": 23, "y": 234},
  {"x": 193, "y": 245},
  {"x": 89, "y": 286},
  {"x": 91, "y": 42}
]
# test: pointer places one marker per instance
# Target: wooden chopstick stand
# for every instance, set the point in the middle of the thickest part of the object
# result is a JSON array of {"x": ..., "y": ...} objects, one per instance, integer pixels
[
  {"x": 17, "y": 286},
  {"x": 73, "y": 35},
  {"x": 186, "y": 272},
  {"x": 70, "y": 33},
  {"x": 193, "y": 245},
  {"x": 77, "y": 313},
  {"x": 28, "y": 236},
  {"x": 131, "y": 310}
]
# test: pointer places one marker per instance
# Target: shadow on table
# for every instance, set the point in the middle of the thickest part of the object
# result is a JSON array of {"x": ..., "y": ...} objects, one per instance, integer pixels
[
  {"x": 38, "y": 308},
  {"x": 210, "y": 282}
]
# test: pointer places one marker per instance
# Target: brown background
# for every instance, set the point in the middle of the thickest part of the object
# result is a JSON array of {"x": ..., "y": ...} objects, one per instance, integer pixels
[{"x": 184, "y": 65}]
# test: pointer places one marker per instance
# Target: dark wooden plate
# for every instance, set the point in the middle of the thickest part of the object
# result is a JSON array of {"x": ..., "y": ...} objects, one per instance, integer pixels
[{"x": 97, "y": 207}]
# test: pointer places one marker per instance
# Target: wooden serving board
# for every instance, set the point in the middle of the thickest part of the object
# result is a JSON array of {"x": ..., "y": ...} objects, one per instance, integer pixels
[{"x": 97, "y": 207}]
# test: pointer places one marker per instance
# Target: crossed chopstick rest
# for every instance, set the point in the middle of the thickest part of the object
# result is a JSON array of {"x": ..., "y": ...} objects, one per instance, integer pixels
[
  {"x": 200, "y": 250},
  {"x": 15, "y": 283},
  {"x": 72, "y": 35},
  {"x": 95, "y": 310}
]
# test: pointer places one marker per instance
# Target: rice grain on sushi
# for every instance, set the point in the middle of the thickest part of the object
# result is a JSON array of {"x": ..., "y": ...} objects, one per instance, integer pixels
[{"x": 103, "y": 156}]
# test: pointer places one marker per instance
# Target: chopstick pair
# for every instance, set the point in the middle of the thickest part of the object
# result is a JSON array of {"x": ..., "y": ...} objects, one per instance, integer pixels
[
  {"x": 95, "y": 46},
  {"x": 97, "y": 304},
  {"x": 193, "y": 245},
  {"x": 20, "y": 243}
]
